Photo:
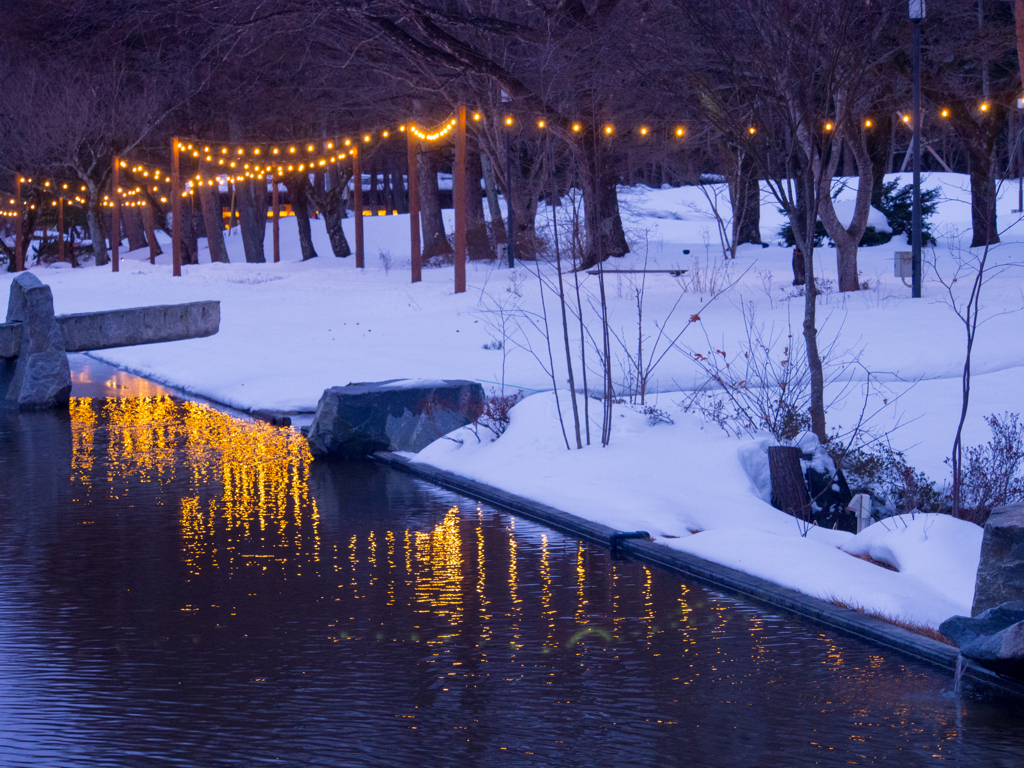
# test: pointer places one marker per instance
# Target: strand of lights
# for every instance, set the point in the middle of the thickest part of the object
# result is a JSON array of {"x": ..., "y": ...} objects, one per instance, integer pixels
[{"x": 446, "y": 127}]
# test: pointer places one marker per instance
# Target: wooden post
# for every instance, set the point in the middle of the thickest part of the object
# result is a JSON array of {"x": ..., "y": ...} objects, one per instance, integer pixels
[
  {"x": 789, "y": 490},
  {"x": 60, "y": 228},
  {"x": 115, "y": 217},
  {"x": 175, "y": 211},
  {"x": 277, "y": 216},
  {"x": 357, "y": 203},
  {"x": 151, "y": 232},
  {"x": 414, "y": 209},
  {"x": 19, "y": 238},
  {"x": 459, "y": 200}
]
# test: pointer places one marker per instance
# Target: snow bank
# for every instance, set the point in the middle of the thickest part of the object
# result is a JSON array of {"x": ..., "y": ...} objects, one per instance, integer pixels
[{"x": 700, "y": 491}]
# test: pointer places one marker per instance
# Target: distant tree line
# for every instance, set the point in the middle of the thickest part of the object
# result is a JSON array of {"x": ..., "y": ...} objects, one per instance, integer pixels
[{"x": 782, "y": 94}]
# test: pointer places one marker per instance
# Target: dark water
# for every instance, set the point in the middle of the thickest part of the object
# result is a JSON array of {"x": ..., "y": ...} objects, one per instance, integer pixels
[{"x": 180, "y": 587}]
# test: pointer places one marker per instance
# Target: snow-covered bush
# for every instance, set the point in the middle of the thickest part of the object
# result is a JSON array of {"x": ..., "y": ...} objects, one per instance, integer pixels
[{"x": 884, "y": 473}]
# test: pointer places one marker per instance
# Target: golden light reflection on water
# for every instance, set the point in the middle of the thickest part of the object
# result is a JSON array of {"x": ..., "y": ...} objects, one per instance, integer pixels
[
  {"x": 247, "y": 505},
  {"x": 263, "y": 513}
]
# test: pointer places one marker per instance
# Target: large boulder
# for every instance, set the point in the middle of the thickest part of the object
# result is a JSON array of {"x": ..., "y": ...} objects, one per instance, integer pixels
[
  {"x": 995, "y": 638},
  {"x": 395, "y": 415},
  {"x": 1001, "y": 569},
  {"x": 40, "y": 376}
]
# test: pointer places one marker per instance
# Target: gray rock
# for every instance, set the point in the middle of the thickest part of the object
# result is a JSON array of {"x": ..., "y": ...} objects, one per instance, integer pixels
[
  {"x": 40, "y": 376},
  {"x": 396, "y": 415},
  {"x": 995, "y": 638},
  {"x": 1001, "y": 569}
]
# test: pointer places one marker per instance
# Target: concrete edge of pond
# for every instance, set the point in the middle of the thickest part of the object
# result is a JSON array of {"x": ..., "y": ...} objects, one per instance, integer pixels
[{"x": 755, "y": 589}]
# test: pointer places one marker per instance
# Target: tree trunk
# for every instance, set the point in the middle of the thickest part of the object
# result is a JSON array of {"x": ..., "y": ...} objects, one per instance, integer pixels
[
  {"x": 99, "y": 238},
  {"x": 879, "y": 137},
  {"x": 133, "y": 226},
  {"x": 983, "y": 200},
  {"x": 847, "y": 239},
  {"x": 151, "y": 230},
  {"x": 332, "y": 203},
  {"x": 189, "y": 232},
  {"x": 209, "y": 198},
  {"x": 745, "y": 196},
  {"x": 601, "y": 209},
  {"x": 298, "y": 191},
  {"x": 478, "y": 244},
  {"x": 497, "y": 224},
  {"x": 435, "y": 242},
  {"x": 251, "y": 201},
  {"x": 789, "y": 489}
]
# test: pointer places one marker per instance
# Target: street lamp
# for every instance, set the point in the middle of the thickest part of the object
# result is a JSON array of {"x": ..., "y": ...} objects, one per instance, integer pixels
[{"x": 917, "y": 11}]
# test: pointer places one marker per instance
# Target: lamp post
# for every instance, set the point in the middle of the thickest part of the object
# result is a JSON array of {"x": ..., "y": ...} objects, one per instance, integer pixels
[{"x": 917, "y": 11}]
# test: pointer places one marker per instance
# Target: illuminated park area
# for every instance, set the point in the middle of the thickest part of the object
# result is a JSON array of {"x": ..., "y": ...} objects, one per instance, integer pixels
[{"x": 568, "y": 383}]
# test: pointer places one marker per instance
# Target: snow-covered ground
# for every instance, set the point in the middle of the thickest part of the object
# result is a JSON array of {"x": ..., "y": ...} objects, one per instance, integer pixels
[{"x": 290, "y": 330}]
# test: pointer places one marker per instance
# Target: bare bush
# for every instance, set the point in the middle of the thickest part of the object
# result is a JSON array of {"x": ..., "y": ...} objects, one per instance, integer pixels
[
  {"x": 991, "y": 472},
  {"x": 495, "y": 417}
]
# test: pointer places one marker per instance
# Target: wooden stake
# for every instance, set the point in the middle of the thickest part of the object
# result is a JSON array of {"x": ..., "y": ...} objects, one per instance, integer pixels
[
  {"x": 459, "y": 200},
  {"x": 19, "y": 238},
  {"x": 175, "y": 210},
  {"x": 357, "y": 203},
  {"x": 60, "y": 228},
  {"x": 115, "y": 218},
  {"x": 414, "y": 209},
  {"x": 277, "y": 216}
]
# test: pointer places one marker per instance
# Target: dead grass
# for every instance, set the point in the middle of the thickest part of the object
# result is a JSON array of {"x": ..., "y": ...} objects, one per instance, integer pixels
[
  {"x": 869, "y": 559},
  {"x": 917, "y": 629}
]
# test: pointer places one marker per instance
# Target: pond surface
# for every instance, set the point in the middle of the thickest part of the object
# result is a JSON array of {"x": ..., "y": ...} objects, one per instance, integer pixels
[{"x": 182, "y": 587}]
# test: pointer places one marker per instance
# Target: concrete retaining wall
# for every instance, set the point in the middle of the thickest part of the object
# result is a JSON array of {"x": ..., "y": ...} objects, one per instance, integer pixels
[{"x": 139, "y": 325}]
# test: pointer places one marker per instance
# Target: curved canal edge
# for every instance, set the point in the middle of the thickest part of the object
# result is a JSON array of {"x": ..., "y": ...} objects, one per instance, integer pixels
[{"x": 756, "y": 590}]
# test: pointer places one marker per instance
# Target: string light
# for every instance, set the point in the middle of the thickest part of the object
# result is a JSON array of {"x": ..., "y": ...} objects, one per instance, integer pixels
[
  {"x": 576, "y": 127},
  {"x": 828, "y": 126},
  {"x": 540, "y": 124},
  {"x": 984, "y": 106},
  {"x": 945, "y": 113},
  {"x": 608, "y": 130},
  {"x": 751, "y": 130},
  {"x": 868, "y": 123},
  {"x": 643, "y": 130},
  {"x": 680, "y": 131}
]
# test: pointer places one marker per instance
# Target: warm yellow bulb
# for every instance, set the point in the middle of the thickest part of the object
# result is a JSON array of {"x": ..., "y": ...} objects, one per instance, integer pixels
[
  {"x": 828, "y": 126},
  {"x": 347, "y": 142},
  {"x": 680, "y": 131},
  {"x": 868, "y": 123},
  {"x": 401, "y": 128},
  {"x": 223, "y": 150},
  {"x": 945, "y": 113},
  {"x": 540, "y": 123},
  {"x": 274, "y": 151},
  {"x": 608, "y": 130},
  {"x": 476, "y": 115},
  {"x": 310, "y": 148},
  {"x": 906, "y": 118},
  {"x": 366, "y": 137},
  {"x": 291, "y": 149},
  {"x": 385, "y": 134},
  {"x": 984, "y": 106},
  {"x": 508, "y": 120},
  {"x": 752, "y": 130}
]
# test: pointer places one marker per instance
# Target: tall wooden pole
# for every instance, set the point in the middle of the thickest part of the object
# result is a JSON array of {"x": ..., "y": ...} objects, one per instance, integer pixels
[
  {"x": 357, "y": 203},
  {"x": 277, "y": 216},
  {"x": 60, "y": 228},
  {"x": 175, "y": 210},
  {"x": 115, "y": 218},
  {"x": 151, "y": 232},
  {"x": 459, "y": 200},
  {"x": 19, "y": 238},
  {"x": 414, "y": 209}
]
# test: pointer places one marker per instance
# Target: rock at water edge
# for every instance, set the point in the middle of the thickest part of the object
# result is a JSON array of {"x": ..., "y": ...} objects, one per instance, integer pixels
[{"x": 396, "y": 415}]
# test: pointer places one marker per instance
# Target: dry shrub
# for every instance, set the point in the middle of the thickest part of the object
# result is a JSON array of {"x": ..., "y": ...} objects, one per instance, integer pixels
[
  {"x": 991, "y": 473},
  {"x": 896, "y": 621},
  {"x": 496, "y": 411}
]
